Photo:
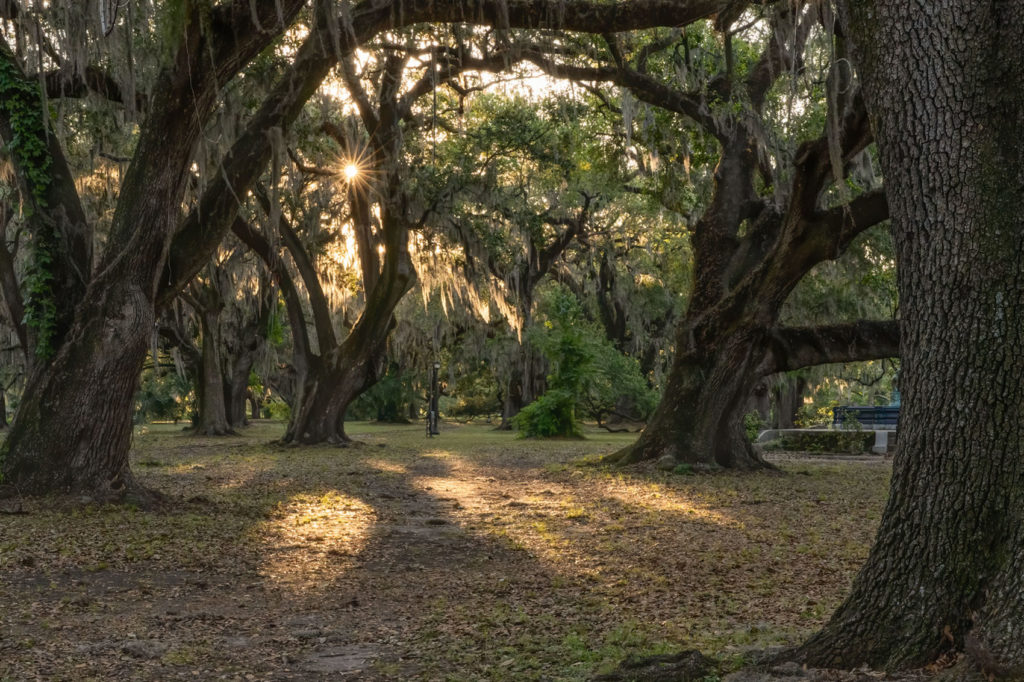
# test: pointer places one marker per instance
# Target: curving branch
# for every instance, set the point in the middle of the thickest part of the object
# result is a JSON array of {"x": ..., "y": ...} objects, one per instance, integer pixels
[
  {"x": 326, "y": 338},
  {"x": 70, "y": 83},
  {"x": 206, "y": 225},
  {"x": 644, "y": 87},
  {"x": 849, "y": 220},
  {"x": 793, "y": 348},
  {"x": 259, "y": 245}
]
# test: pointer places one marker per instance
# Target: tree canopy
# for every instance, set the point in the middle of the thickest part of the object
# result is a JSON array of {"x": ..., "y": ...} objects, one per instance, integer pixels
[{"x": 658, "y": 214}]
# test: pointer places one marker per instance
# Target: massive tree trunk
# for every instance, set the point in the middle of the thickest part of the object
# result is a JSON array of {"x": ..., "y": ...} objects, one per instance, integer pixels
[
  {"x": 73, "y": 427},
  {"x": 701, "y": 419},
  {"x": 946, "y": 88},
  {"x": 320, "y": 416},
  {"x": 73, "y": 431}
]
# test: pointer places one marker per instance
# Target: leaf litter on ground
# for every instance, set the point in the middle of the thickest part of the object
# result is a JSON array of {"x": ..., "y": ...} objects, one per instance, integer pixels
[{"x": 470, "y": 556}]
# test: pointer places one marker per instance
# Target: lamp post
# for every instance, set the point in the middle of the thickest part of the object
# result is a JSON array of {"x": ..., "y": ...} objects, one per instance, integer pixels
[{"x": 432, "y": 411}]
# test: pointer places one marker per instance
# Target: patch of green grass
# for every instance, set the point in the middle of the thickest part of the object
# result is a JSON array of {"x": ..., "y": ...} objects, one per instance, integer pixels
[{"x": 180, "y": 656}]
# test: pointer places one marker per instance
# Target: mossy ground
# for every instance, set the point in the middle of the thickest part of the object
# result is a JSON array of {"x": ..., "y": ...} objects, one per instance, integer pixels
[{"x": 470, "y": 556}]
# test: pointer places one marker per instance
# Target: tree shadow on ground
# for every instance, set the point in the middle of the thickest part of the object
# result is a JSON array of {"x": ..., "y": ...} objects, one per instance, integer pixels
[{"x": 456, "y": 558}]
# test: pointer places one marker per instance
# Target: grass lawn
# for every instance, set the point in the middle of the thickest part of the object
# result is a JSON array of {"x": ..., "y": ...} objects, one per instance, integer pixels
[{"x": 470, "y": 556}]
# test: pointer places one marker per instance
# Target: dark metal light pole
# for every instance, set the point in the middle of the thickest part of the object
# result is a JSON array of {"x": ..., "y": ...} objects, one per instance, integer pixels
[{"x": 432, "y": 409}]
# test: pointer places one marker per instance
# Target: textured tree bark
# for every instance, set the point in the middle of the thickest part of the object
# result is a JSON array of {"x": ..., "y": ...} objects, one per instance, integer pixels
[
  {"x": 213, "y": 412},
  {"x": 73, "y": 430},
  {"x": 701, "y": 420},
  {"x": 946, "y": 89},
  {"x": 73, "y": 426},
  {"x": 749, "y": 252}
]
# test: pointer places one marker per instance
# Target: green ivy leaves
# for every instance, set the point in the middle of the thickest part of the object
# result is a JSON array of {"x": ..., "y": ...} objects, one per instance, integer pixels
[{"x": 20, "y": 105}]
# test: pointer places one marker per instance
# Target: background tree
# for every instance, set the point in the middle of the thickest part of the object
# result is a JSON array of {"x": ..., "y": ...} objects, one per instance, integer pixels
[
  {"x": 768, "y": 221},
  {"x": 588, "y": 374},
  {"x": 95, "y": 343},
  {"x": 524, "y": 199}
]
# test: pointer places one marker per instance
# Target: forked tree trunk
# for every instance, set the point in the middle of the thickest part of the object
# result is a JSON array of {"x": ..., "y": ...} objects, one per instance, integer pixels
[
  {"x": 749, "y": 254},
  {"x": 320, "y": 416},
  {"x": 946, "y": 87},
  {"x": 74, "y": 424},
  {"x": 700, "y": 420},
  {"x": 332, "y": 380}
]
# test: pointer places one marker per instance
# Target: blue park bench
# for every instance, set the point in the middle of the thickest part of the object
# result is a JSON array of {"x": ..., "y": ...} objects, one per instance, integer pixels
[{"x": 869, "y": 417}]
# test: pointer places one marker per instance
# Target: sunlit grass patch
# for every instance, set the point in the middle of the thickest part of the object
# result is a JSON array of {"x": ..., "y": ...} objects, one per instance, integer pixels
[{"x": 311, "y": 537}]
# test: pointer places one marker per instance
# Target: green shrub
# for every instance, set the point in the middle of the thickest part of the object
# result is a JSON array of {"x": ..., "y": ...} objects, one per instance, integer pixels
[
  {"x": 277, "y": 410},
  {"x": 588, "y": 374},
  {"x": 553, "y": 414},
  {"x": 849, "y": 442},
  {"x": 752, "y": 424},
  {"x": 162, "y": 396}
]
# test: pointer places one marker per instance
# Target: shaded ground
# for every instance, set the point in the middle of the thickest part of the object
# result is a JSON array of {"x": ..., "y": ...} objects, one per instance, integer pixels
[{"x": 471, "y": 556}]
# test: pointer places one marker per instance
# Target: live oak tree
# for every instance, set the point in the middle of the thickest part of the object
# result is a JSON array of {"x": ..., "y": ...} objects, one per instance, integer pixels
[
  {"x": 91, "y": 325},
  {"x": 219, "y": 328},
  {"x": 524, "y": 199},
  {"x": 769, "y": 220},
  {"x": 74, "y": 429},
  {"x": 946, "y": 574}
]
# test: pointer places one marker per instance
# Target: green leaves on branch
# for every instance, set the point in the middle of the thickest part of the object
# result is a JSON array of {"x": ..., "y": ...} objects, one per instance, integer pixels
[
  {"x": 588, "y": 374},
  {"x": 21, "y": 108}
]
